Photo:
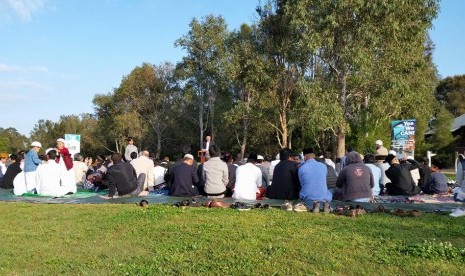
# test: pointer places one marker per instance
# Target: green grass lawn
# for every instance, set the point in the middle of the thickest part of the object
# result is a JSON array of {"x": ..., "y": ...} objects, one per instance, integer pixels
[{"x": 125, "y": 239}]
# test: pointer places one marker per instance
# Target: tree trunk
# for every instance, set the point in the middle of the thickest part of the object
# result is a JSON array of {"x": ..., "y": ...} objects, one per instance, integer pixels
[
  {"x": 244, "y": 138},
  {"x": 201, "y": 123},
  {"x": 157, "y": 155},
  {"x": 341, "y": 142},
  {"x": 284, "y": 135}
]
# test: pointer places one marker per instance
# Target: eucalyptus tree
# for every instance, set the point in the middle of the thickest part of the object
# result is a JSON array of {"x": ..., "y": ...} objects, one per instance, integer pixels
[
  {"x": 371, "y": 60},
  {"x": 204, "y": 67}
]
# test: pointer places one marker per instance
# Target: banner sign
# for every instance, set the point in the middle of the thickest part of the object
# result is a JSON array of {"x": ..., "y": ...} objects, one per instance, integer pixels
[
  {"x": 73, "y": 143},
  {"x": 403, "y": 137}
]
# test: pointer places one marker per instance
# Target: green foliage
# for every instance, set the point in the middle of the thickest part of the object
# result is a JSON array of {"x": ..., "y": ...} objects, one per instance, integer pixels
[
  {"x": 451, "y": 93},
  {"x": 11, "y": 141},
  {"x": 435, "y": 250}
]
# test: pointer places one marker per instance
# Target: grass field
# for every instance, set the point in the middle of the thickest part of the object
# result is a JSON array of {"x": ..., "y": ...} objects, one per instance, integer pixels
[{"x": 128, "y": 240}]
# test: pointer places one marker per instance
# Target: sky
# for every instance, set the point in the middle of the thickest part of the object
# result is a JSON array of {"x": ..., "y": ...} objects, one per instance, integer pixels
[{"x": 56, "y": 55}]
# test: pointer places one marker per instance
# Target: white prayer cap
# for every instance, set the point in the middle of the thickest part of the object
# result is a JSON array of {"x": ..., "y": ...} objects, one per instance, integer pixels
[
  {"x": 379, "y": 142},
  {"x": 260, "y": 157},
  {"x": 49, "y": 149},
  {"x": 393, "y": 152},
  {"x": 61, "y": 140},
  {"x": 36, "y": 144},
  {"x": 188, "y": 156}
]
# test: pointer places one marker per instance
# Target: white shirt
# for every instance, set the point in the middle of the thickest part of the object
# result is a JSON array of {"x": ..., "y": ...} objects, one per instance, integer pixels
[
  {"x": 3, "y": 168},
  {"x": 271, "y": 167},
  {"x": 248, "y": 179},
  {"x": 80, "y": 169},
  {"x": 143, "y": 164},
  {"x": 48, "y": 179},
  {"x": 330, "y": 162},
  {"x": 159, "y": 175}
]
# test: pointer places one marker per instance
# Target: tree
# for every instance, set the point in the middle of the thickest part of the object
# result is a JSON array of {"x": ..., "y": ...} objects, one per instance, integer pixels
[
  {"x": 368, "y": 55},
  {"x": 11, "y": 141},
  {"x": 204, "y": 66},
  {"x": 451, "y": 93},
  {"x": 284, "y": 67},
  {"x": 246, "y": 69},
  {"x": 143, "y": 101}
]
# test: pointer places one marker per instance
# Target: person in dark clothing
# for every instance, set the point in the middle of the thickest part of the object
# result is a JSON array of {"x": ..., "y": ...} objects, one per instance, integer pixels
[
  {"x": 355, "y": 180},
  {"x": 425, "y": 172},
  {"x": 401, "y": 180},
  {"x": 436, "y": 183},
  {"x": 121, "y": 179},
  {"x": 331, "y": 175},
  {"x": 286, "y": 184},
  {"x": 11, "y": 172},
  {"x": 184, "y": 178},
  {"x": 227, "y": 158}
]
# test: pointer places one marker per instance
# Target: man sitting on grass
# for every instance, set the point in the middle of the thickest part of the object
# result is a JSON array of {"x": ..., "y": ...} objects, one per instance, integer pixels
[
  {"x": 122, "y": 180},
  {"x": 401, "y": 179},
  {"x": 248, "y": 180},
  {"x": 49, "y": 176},
  {"x": 436, "y": 183}
]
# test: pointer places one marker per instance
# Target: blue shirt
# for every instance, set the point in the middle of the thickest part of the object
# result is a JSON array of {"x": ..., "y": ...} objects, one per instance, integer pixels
[
  {"x": 31, "y": 161},
  {"x": 312, "y": 176},
  {"x": 376, "y": 171}
]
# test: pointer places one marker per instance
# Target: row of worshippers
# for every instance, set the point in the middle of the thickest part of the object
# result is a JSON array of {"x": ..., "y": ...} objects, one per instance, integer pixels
[{"x": 225, "y": 177}]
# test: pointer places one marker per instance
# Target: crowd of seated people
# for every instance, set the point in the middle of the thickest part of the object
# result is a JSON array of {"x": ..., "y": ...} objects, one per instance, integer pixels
[{"x": 306, "y": 175}]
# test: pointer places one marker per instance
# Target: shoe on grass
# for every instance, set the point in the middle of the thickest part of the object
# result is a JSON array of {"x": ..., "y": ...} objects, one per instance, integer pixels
[
  {"x": 326, "y": 207},
  {"x": 316, "y": 207},
  {"x": 286, "y": 206},
  {"x": 240, "y": 206},
  {"x": 459, "y": 212},
  {"x": 301, "y": 207}
]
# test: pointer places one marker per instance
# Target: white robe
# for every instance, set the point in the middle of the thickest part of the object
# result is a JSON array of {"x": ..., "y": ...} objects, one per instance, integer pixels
[
  {"x": 68, "y": 178},
  {"x": 49, "y": 179},
  {"x": 19, "y": 184}
]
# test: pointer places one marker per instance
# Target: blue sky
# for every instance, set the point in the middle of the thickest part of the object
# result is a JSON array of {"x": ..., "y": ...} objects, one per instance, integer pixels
[{"x": 56, "y": 55}]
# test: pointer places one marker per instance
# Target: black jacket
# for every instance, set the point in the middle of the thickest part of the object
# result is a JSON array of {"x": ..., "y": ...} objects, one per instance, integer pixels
[
  {"x": 121, "y": 178},
  {"x": 401, "y": 179},
  {"x": 184, "y": 179},
  {"x": 286, "y": 184},
  {"x": 11, "y": 172}
]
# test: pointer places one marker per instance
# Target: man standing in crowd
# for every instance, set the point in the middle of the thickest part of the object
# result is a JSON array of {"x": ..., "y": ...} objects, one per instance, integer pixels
[
  {"x": 130, "y": 148},
  {"x": 215, "y": 174},
  {"x": 380, "y": 150},
  {"x": 206, "y": 145}
]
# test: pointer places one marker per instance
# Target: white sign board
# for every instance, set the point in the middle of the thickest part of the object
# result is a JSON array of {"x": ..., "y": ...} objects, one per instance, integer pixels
[{"x": 73, "y": 143}]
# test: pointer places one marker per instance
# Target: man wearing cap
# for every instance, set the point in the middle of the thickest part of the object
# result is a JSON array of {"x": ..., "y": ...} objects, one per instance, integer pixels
[
  {"x": 312, "y": 176},
  {"x": 143, "y": 164},
  {"x": 129, "y": 149},
  {"x": 184, "y": 178},
  {"x": 380, "y": 150},
  {"x": 31, "y": 162},
  {"x": 265, "y": 174}
]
